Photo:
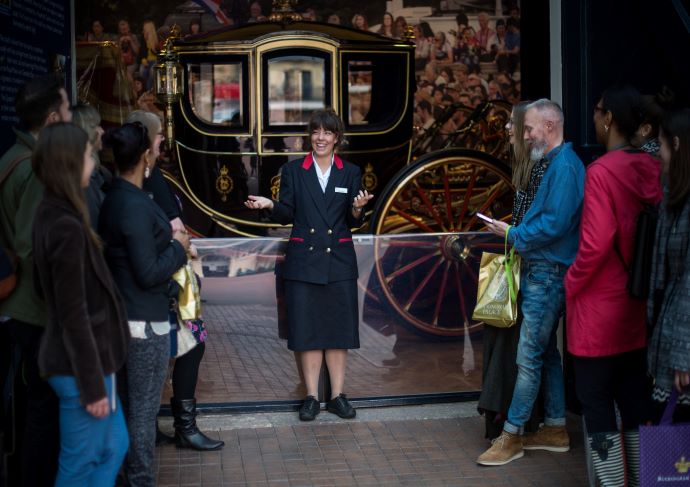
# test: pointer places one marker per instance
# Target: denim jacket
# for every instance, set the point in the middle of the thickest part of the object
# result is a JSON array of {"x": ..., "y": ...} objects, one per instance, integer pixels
[{"x": 550, "y": 228}]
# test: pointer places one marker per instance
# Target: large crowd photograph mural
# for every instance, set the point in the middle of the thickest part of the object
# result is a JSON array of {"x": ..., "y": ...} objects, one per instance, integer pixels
[{"x": 466, "y": 53}]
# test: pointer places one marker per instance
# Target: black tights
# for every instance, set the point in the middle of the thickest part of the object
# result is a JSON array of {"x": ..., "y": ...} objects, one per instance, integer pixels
[
  {"x": 622, "y": 379},
  {"x": 186, "y": 371}
]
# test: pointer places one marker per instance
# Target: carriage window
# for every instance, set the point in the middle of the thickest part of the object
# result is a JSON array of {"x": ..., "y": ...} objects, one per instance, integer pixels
[
  {"x": 359, "y": 91},
  {"x": 296, "y": 88},
  {"x": 377, "y": 89},
  {"x": 215, "y": 92}
]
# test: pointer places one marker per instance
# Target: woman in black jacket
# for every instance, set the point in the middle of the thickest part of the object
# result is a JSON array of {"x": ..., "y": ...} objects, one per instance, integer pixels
[
  {"x": 143, "y": 253},
  {"x": 320, "y": 195},
  {"x": 86, "y": 336},
  {"x": 186, "y": 369}
]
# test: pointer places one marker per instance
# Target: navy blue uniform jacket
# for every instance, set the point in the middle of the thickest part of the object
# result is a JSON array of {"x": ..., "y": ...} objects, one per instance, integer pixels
[{"x": 320, "y": 249}]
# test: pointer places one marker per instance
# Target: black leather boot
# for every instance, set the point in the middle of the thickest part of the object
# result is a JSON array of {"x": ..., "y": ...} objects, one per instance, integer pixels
[{"x": 187, "y": 435}]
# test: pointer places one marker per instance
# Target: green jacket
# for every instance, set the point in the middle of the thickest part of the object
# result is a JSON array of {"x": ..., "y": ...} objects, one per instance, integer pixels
[{"x": 20, "y": 195}]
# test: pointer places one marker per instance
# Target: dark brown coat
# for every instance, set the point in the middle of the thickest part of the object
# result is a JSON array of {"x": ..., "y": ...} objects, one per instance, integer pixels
[{"x": 87, "y": 333}]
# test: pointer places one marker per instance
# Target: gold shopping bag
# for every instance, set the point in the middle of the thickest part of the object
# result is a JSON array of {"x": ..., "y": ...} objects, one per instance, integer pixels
[
  {"x": 189, "y": 298},
  {"x": 499, "y": 282}
]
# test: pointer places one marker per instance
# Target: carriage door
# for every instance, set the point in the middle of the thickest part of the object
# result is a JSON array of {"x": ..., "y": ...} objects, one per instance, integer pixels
[{"x": 296, "y": 78}]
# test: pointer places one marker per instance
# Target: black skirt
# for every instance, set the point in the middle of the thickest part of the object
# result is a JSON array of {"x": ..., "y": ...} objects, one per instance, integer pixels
[{"x": 322, "y": 316}]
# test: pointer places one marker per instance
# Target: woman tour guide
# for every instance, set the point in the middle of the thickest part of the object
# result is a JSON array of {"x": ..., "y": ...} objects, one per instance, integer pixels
[{"x": 321, "y": 196}]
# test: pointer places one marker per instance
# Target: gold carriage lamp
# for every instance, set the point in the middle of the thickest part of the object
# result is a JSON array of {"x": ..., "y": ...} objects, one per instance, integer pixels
[{"x": 169, "y": 81}]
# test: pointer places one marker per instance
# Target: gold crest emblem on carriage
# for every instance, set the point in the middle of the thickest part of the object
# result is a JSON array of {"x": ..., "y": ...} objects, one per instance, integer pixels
[
  {"x": 369, "y": 178},
  {"x": 224, "y": 183},
  {"x": 275, "y": 187}
]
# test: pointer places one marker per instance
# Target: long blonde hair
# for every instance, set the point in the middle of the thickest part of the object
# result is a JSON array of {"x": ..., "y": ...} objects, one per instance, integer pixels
[
  {"x": 87, "y": 118},
  {"x": 521, "y": 163},
  {"x": 150, "y": 35}
]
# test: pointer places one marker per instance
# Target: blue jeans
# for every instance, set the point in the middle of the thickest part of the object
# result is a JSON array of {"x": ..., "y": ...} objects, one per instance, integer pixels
[
  {"x": 91, "y": 449},
  {"x": 542, "y": 302}
]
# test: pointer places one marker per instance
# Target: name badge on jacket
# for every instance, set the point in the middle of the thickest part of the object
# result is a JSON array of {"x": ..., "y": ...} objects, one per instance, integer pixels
[{"x": 340, "y": 190}]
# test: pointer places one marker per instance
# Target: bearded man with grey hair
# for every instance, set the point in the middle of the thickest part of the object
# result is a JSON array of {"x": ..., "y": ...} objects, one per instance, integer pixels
[{"x": 547, "y": 240}]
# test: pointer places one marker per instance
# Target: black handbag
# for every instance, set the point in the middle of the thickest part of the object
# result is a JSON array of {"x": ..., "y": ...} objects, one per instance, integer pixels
[{"x": 640, "y": 270}]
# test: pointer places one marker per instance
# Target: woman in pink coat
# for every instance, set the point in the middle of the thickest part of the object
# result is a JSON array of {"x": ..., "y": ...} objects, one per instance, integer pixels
[{"x": 606, "y": 328}]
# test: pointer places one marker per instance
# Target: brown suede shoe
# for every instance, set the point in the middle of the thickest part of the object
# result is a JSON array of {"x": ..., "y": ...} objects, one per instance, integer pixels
[
  {"x": 505, "y": 449},
  {"x": 550, "y": 438}
]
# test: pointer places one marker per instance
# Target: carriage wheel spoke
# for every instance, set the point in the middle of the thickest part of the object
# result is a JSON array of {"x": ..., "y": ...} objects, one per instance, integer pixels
[
  {"x": 471, "y": 272},
  {"x": 413, "y": 243},
  {"x": 423, "y": 284},
  {"x": 410, "y": 266},
  {"x": 488, "y": 202},
  {"x": 415, "y": 221},
  {"x": 447, "y": 193},
  {"x": 427, "y": 202},
  {"x": 441, "y": 294},
  {"x": 468, "y": 195}
]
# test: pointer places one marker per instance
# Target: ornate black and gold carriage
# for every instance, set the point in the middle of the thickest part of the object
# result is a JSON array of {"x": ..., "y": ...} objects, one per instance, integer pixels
[{"x": 246, "y": 95}]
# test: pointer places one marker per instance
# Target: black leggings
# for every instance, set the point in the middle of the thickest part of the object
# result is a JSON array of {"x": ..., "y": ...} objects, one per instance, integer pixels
[
  {"x": 186, "y": 372},
  {"x": 622, "y": 378}
]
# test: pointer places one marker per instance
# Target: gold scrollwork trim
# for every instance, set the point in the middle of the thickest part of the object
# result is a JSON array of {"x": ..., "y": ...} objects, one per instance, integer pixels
[
  {"x": 207, "y": 209},
  {"x": 218, "y": 153}
]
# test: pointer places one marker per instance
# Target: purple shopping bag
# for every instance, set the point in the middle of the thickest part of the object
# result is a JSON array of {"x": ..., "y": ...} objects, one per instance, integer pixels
[{"x": 665, "y": 451}]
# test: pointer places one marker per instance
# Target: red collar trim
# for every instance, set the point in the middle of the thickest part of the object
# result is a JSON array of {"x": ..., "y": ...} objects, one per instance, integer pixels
[{"x": 309, "y": 160}]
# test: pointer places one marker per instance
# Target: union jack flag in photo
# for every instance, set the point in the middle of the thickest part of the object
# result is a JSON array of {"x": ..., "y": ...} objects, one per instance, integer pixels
[{"x": 213, "y": 7}]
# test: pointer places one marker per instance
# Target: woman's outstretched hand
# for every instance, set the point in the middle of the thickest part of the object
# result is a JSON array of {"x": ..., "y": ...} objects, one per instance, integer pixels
[
  {"x": 361, "y": 200},
  {"x": 258, "y": 203}
]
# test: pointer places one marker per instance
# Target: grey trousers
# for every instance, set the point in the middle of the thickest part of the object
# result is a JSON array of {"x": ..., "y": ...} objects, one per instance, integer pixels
[{"x": 147, "y": 366}]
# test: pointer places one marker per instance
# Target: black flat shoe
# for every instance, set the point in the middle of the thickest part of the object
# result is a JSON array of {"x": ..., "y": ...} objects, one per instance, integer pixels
[
  {"x": 341, "y": 406},
  {"x": 310, "y": 408}
]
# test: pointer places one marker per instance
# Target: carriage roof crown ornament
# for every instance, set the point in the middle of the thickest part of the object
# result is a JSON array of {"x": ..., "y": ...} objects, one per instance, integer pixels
[
  {"x": 284, "y": 11},
  {"x": 408, "y": 35}
]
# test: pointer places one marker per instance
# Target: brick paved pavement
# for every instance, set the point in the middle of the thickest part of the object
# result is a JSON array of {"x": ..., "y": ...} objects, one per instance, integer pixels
[
  {"x": 364, "y": 452},
  {"x": 246, "y": 361}
]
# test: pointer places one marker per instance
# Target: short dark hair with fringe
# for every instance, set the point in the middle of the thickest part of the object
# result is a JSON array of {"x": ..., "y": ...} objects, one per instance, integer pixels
[{"x": 326, "y": 119}]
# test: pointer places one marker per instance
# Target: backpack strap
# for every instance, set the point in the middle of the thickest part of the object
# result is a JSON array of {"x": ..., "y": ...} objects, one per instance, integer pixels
[{"x": 8, "y": 170}]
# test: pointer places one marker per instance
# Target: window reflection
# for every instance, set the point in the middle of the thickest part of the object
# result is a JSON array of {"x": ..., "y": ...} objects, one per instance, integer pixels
[
  {"x": 296, "y": 88},
  {"x": 416, "y": 294},
  {"x": 377, "y": 89},
  {"x": 215, "y": 92},
  {"x": 359, "y": 79}
]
